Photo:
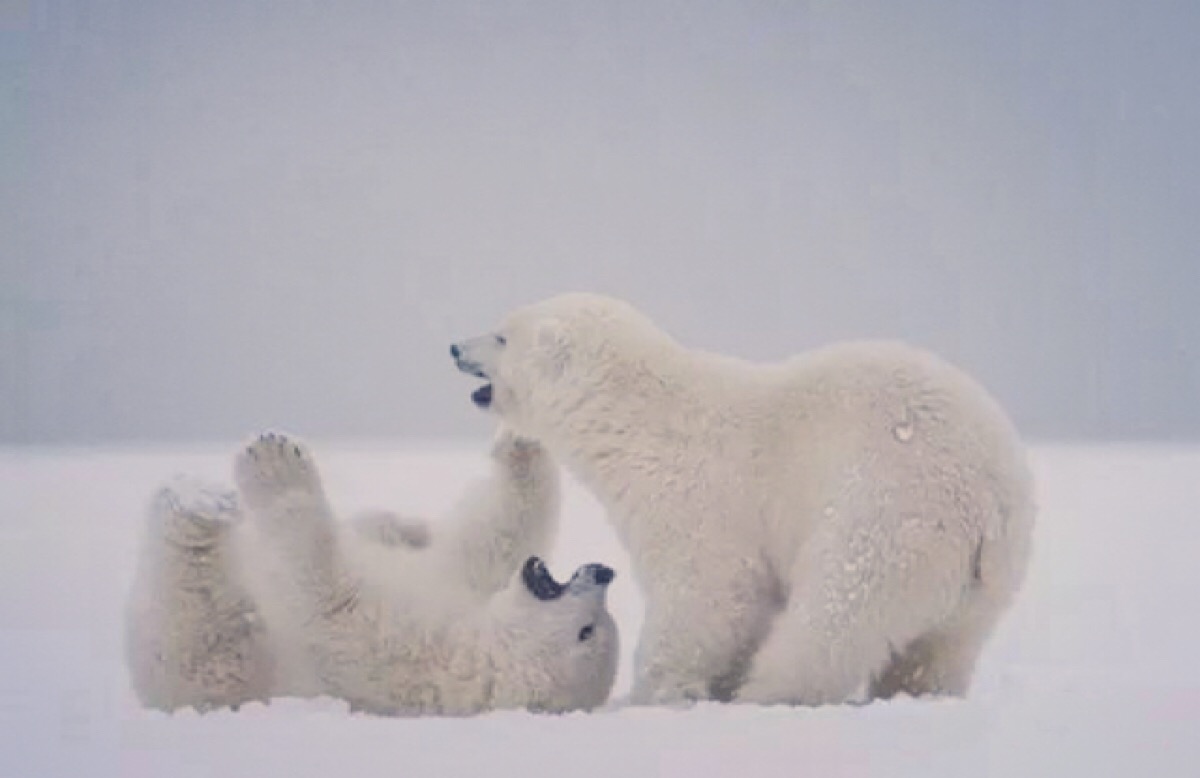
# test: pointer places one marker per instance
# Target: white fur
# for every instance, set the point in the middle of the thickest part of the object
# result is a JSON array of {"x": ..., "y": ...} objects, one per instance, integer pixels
[
  {"x": 853, "y": 520},
  {"x": 193, "y": 633},
  {"x": 290, "y": 603}
]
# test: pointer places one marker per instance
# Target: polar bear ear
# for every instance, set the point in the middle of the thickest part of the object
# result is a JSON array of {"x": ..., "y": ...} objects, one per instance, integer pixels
[{"x": 553, "y": 346}]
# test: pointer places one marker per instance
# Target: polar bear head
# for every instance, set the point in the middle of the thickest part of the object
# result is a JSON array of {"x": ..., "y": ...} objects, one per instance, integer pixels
[
  {"x": 554, "y": 646},
  {"x": 545, "y": 358}
]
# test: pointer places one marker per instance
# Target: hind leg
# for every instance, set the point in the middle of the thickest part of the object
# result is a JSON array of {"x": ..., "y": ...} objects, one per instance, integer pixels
[
  {"x": 813, "y": 657},
  {"x": 345, "y": 636},
  {"x": 938, "y": 663},
  {"x": 194, "y": 636},
  {"x": 858, "y": 595}
]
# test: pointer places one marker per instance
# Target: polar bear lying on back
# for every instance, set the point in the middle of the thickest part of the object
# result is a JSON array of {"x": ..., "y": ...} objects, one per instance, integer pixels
[
  {"x": 852, "y": 521},
  {"x": 224, "y": 611}
]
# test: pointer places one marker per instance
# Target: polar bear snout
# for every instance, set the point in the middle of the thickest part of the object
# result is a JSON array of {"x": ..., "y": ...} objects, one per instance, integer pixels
[
  {"x": 463, "y": 362},
  {"x": 477, "y": 356},
  {"x": 595, "y": 574},
  {"x": 541, "y": 584}
]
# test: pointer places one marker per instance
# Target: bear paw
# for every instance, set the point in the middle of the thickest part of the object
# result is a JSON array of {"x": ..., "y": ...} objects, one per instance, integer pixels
[
  {"x": 275, "y": 465},
  {"x": 508, "y": 446},
  {"x": 194, "y": 514}
]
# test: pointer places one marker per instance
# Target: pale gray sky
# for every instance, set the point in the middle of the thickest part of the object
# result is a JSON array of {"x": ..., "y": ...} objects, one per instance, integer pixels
[{"x": 219, "y": 216}]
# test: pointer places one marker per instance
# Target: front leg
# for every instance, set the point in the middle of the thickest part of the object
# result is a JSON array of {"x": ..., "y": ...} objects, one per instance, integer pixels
[
  {"x": 700, "y": 634},
  {"x": 280, "y": 485},
  {"x": 508, "y": 517}
]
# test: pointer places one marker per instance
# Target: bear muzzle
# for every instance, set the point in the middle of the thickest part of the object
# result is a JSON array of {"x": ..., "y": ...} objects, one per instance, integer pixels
[{"x": 541, "y": 584}]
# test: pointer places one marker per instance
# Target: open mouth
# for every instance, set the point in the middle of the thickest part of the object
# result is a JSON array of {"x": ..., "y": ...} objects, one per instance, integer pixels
[
  {"x": 482, "y": 397},
  {"x": 541, "y": 584}
]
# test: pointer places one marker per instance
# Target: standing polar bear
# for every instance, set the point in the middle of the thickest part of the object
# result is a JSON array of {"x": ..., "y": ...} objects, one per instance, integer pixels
[
  {"x": 850, "y": 522},
  {"x": 390, "y": 614}
]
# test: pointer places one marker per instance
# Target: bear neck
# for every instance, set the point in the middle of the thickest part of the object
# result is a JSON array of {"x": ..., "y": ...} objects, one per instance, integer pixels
[
  {"x": 392, "y": 663},
  {"x": 650, "y": 422}
]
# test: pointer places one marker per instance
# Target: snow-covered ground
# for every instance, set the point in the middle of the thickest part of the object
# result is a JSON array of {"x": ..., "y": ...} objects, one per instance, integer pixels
[{"x": 1092, "y": 674}]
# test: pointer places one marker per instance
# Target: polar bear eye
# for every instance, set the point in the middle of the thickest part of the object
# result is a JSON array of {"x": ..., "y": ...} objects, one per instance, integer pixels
[
  {"x": 503, "y": 341},
  {"x": 586, "y": 632}
]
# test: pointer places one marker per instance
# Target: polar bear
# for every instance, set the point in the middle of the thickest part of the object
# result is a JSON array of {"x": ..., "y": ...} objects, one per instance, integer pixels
[
  {"x": 844, "y": 525},
  {"x": 225, "y": 610}
]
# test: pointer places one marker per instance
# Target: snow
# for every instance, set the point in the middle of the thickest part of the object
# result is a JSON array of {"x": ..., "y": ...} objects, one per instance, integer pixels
[{"x": 1090, "y": 675}]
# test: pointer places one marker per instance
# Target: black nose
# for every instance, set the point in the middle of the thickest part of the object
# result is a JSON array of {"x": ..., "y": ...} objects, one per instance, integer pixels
[
  {"x": 602, "y": 575},
  {"x": 455, "y": 351}
]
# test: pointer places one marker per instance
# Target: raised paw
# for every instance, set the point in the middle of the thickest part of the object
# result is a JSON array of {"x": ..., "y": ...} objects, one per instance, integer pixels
[
  {"x": 194, "y": 514},
  {"x": 509, "y": 446},
  {"x": 275, "y": 465}
]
